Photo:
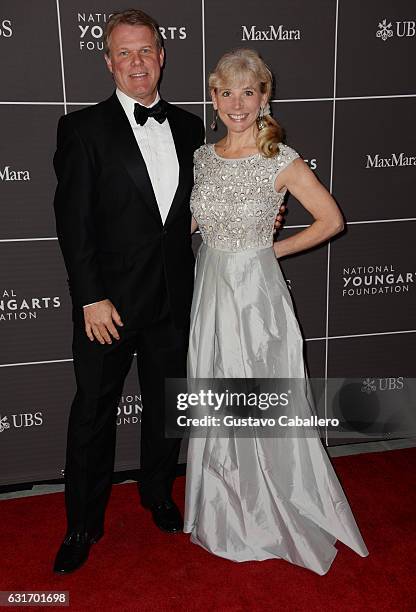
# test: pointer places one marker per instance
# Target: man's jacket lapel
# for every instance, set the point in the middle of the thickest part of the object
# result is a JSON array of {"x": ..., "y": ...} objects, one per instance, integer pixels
[
  {"x": 180, "y": 141},
  {"x": 130, "y": 155}
]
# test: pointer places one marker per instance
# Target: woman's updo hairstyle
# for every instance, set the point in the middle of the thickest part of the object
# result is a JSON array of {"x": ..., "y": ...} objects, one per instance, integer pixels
[{"x": 234, "y": 67}]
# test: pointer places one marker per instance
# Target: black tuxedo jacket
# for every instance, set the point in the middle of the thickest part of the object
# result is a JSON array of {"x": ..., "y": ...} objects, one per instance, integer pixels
[{"x": 108, "y": 222}]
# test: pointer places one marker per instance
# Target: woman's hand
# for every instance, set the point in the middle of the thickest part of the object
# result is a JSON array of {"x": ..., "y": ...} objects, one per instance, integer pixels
[
  {"x": 278, "y": 222},
  {"x": 194, "y": 225}
]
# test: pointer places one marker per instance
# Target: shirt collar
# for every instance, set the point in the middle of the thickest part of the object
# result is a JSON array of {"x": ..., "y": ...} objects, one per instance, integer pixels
[{"x": 128, "y": 104}]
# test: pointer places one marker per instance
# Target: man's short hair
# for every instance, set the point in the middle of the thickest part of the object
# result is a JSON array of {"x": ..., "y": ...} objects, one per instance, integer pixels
[{"x": 131, "y": 17}]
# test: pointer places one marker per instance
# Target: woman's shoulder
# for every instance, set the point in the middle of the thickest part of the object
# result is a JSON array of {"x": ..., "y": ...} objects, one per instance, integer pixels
[
  {"x": 285, "y": 156},
  {"x": 286, "y": 153},
  {"x": 201, "y": 152}
]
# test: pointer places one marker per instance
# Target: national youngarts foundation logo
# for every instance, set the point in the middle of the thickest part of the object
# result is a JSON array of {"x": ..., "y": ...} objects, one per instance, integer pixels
[
  {"x": 91, "y": 30},
  {"x": 129, "y": 409},
  {"x": 14, "y": 308},
  {"x": 376, "y": 280},
  {"x": 401, "y": 29}
]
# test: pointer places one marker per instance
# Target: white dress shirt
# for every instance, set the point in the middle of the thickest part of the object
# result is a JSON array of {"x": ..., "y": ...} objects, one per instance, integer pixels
[
  {"x": 156, "y": 144},
  {"x": 157, "y": 147}
]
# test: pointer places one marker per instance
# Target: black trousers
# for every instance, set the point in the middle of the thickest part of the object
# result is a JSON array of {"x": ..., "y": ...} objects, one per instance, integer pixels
[{"x": 100, "y": 372}]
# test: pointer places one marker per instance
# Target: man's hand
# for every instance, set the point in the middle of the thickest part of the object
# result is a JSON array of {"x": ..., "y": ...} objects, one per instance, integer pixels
[
  {"x": 99, "y": 322},
  {"x": 279, "y": 219}
]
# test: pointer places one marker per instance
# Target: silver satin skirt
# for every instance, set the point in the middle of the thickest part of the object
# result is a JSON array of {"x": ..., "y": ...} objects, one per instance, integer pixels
[{"x": 257, "y": 498}]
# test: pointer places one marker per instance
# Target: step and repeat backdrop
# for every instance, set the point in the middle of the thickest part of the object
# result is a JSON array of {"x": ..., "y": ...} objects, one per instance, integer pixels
[{"x": 346, "y": 96}]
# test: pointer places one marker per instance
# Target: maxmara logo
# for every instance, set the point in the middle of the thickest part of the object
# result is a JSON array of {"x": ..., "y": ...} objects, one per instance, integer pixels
[
  {"x": 375, "y": 280},
  {"x": 402, "y": 29},
  {"x": 271, "y": 32},
  {"x": 6, "y": 30},
  {"x": 394, "y": 160},
  {"x": 21, "y": 421},
  {"x": 129, "y": 410},
  {"x": 10, "y": 174},
  {"x": 91, "y": 27},
  {"x": 13, "y": 308}
]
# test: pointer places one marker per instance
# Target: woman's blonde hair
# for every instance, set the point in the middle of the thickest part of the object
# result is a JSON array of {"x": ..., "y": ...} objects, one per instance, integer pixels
[{"x": 232, "y": 68}]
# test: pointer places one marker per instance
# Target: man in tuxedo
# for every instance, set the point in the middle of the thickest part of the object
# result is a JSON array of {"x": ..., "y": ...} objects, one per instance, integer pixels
[{"x": 125, "y": 174}]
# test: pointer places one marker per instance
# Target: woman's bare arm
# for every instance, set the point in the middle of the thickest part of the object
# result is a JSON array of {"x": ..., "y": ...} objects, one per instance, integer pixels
[{"x": 328, "y": 221}]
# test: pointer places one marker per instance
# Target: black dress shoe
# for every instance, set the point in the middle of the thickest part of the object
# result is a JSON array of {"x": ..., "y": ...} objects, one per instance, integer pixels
[
  {"x": 167, "y": 517},
  {"x": 74, "y": 551}
]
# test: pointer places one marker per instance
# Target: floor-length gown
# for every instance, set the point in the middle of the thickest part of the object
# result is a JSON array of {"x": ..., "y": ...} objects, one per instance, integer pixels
[{"x": 254, "y": 498}]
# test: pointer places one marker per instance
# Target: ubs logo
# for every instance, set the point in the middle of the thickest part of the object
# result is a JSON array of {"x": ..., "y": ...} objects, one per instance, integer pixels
[
  {"x": 370, "y": 385},
  {"x": 401, "y": 29},
  {"x": 4, "y": 423},
  {"x": 22, "y": 420},
  {"x": 6, "y": 28}
]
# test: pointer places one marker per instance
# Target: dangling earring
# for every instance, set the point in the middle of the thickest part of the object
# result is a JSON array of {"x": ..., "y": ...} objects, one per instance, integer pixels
[
  {"x": 213, "y": 125},
  {"x": 261, "y": 124}
]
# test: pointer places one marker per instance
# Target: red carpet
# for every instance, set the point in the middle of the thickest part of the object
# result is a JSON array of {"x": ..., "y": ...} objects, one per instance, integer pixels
[{"x": 137, "y": 567}]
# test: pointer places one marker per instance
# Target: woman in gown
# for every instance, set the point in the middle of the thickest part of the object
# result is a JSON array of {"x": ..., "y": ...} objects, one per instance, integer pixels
[{"x": 255, "y": 498}]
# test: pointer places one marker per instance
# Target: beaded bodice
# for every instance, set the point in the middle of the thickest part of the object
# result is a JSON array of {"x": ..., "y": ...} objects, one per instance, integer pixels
[{"x": 234, "y": 200}]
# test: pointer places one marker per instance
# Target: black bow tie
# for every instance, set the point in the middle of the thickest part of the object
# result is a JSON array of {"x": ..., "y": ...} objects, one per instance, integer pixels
[{"x": 158, "y": 112}]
